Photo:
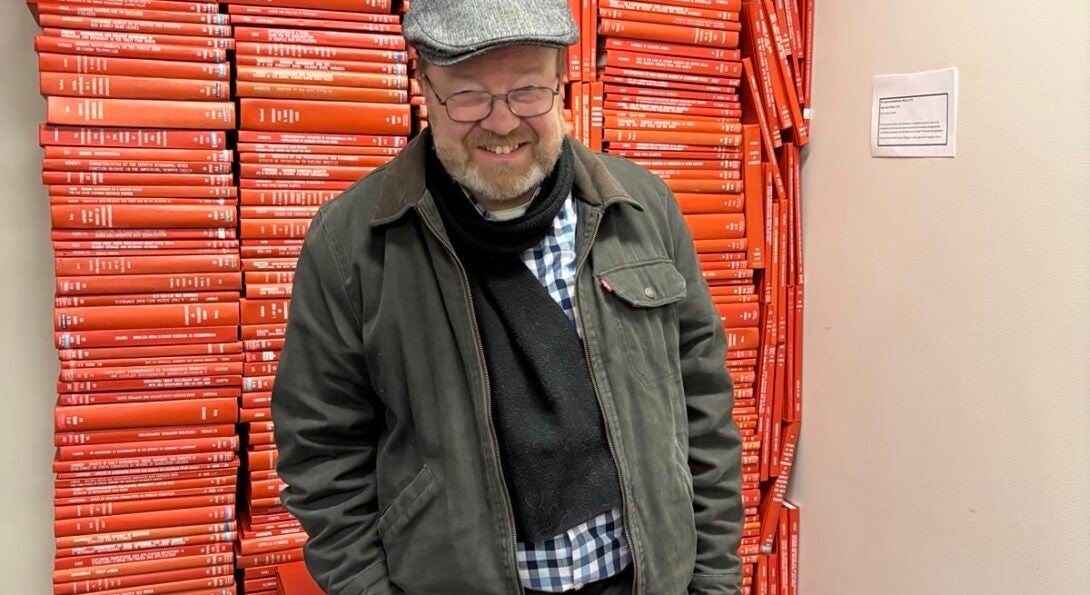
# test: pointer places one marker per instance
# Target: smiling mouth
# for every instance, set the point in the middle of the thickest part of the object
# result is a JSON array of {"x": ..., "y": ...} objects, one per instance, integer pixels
[{"x": 502, "y": 149}]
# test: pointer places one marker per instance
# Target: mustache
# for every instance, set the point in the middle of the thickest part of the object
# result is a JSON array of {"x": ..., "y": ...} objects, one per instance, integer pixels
[{"x": 481, "y": 137}]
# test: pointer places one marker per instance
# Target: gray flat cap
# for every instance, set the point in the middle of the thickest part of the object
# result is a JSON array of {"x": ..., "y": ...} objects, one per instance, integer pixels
[{"x": 446, "y": 32}]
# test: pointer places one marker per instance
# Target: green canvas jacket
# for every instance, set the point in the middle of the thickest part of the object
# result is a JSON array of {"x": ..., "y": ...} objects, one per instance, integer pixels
[{"x": 382, "y": 410}]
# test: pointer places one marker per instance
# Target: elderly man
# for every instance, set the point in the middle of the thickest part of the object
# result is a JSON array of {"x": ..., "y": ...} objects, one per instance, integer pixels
[{"x": 503, "y": 372}]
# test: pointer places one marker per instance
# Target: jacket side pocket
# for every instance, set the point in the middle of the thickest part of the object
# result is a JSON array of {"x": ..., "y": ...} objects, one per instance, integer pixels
[{"x": 410, "y": 501}]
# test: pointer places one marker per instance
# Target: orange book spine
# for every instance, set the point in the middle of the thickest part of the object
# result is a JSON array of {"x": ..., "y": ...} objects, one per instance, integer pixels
[
  {"x": 671, "y": 137},
  {"x": 139, "y": 155},
  {"x": 264, "y": 311},
  {"x": 187, "y": 360},
  {"x": 753, "y": 188},
  {"x": 315, "y": 160},
  {"x": 323, "y": 77},
  {"x": 748, "y": 338},
  {"x": 167, "y": 581},
  {"x": 362, "y": 6},
  {"x": 668, "y": 33},
  {"x": 145, "y": 265},
  {"x": 132, "y": 465},
  {"x": 135, "y": 547},
  {"x": 800, "y": 127},
  {"x": 344, "y": 67},
  {"x": 671, "y": 49},
  {"x": 96, "y": 284},
  {"x": 103, "y": 141},
  {"x": 144, "y": 520},
  {"x": 140, "y": 112},
  {"x": 141, "y": 505},
  {"x": 172, "y": 13},
  {"x": 164, "y": 336},
  {"x": 263, "y": 331},
  {"x": 679, "y": 110},
  {"x": 575, "y": 51},
  {"x": 141, "y": 415},
  {"x": 671, "y": 80},
  {"x": 221, "y": 490},
  {"x": 309, "y": 92},
  {"x": 734, "y": 245},
  {"x": 251, "y": 170},
  {"x": 92, "y": 563},
  {"x": 174, "y": 6},
  {"x": 113, "y": 216},
  {"x": 132, "y": 87},
  {"x": 319, "y": 52},
  {"x": 714, "y": 68},
  {"x": 263, "y": 460},
  {"x": 80, "y": 178},
  {"x": 644, "y": 121},
  {"x": 199, "y": 41},
  {"x": 717, "y": 226},
  {"x": 127, "y": 49},
  {"x": 693, "y": 203},
  {"x": 768, "y": 66},
  {"x": 136, "y": 167},
  {"x": 669, "y": 19},
  {"x": 272, "y": 544},
  {"x": 290, "y": 142},
  {"x": 156, "y": 26},
  {"x": 695, "y": 174},
  {"x": 767, "y": 134},
  {"x": 260, "y": 369},
  {"x": 681, "y": 9},
  {"x": 320, "y": 38},
  {"x": 146, "y": 449},
  {"x": 312, "y": 24},
  {"x": 306, "y": 13},
  {"x": 152, "y": 299},
  {"x": 739, "y": 315},
  {"x": 106, "y": 66},
  {"x": 62, "y": 438},
  {"x": 269, "y": 558},
  {"x": 274, "y": 228},
  {"x": 704, "y": 185},
  {"x": 146, "y": 489},
  {"x": 325, "y": 116},
  {"x": 102, "y": 538}
]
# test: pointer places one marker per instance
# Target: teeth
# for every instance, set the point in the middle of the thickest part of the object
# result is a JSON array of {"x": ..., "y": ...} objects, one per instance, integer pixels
[{"x": 500, "y": 150}]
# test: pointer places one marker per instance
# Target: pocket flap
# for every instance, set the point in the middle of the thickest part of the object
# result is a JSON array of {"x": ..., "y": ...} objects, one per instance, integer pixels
[{"x": 645, "y": 285}]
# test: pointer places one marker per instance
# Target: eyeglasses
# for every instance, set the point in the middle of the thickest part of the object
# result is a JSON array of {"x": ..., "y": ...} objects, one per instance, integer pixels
[{"x": 473, "y": 106}]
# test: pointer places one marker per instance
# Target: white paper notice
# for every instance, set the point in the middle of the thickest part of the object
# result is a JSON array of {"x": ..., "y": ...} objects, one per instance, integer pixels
[{"x": 915, "y": 115}]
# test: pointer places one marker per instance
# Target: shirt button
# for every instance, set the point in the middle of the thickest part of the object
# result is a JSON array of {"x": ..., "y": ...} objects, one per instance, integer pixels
[{"x": 650, "y": 292}]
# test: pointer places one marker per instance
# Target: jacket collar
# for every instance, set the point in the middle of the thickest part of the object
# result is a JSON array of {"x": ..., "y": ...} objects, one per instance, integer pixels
[{"x": 403, "y": 184}]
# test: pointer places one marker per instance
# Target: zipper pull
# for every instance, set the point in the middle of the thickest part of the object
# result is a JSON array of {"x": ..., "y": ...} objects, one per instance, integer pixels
[{"x": 605, "y": 284}]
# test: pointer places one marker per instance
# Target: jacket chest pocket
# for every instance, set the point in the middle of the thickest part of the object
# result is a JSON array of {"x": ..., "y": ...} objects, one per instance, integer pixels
[{"x": 643, "y": 313}]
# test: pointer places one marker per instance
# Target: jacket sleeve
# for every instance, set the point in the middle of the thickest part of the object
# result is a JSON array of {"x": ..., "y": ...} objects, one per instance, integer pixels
[
  {"x": 327, "y": 420},
  {"x": 715, "y": 447}
]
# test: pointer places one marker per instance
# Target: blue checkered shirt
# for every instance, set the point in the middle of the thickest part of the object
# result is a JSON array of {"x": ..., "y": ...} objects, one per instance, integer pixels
[{"x": 596, "y": 549}]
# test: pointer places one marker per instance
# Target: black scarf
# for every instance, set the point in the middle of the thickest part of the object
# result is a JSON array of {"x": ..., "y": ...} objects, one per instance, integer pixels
[{"x": 553, "y": 448}]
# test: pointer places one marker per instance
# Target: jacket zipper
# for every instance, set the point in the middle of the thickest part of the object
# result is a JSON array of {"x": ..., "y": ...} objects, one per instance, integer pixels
[
  {"x": 487, "y": 394},
  {"x": 598, "y": 397}
]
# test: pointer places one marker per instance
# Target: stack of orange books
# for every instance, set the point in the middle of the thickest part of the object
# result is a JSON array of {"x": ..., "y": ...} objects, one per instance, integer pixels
[
  {"x": 323, "y": 92},
  {"x": 776, "y": 44},
  {"x": 143, "y": 210}
]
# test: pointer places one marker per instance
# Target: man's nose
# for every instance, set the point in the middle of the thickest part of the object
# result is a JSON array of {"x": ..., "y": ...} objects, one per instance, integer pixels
[{"x": 501, "y": 121}]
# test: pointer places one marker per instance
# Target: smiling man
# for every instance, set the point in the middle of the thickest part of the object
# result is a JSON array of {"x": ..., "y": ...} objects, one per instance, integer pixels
[{"x": 503, "y": 373}]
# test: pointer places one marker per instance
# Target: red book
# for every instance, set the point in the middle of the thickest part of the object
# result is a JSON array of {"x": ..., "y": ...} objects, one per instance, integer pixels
[
  {"x": 96, "y": 283},
  {"x": 113, "y": 216},
  {"x": 140, "y": 112},
  {"x": 175, "y": 432},
  {"x": 130, "y": 25},
  {"x": 92, "y": 539},
  {"x": 144, "y": 520},
  {"x": 375, "y": 6},
  {"x": 324, "y": 116},
  {"x": 321, "y": 38},
  {"x": 306, "y": 13},
  {"x": 132, "y": 87},
  {"x": 671, "y": 49},
  {"x": 164, "y": 69},
  {"x": 133, "y": 548},
  {"x": 669, "y": 33},
  {"x": 169, "y": 581},
  {"x": 379, "y": 65},
  {"x": 128, "y": 49},
  {"x": 145, "y": 299},
  {"x": 240, "y": 20},
  {"x": 270, "y": 558},
  {"x": 199, "y": 41},
  {"x": 174, "y": 6},
  {"x": 165, "y": 413},
  {"x": 145, "y": 138}
]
